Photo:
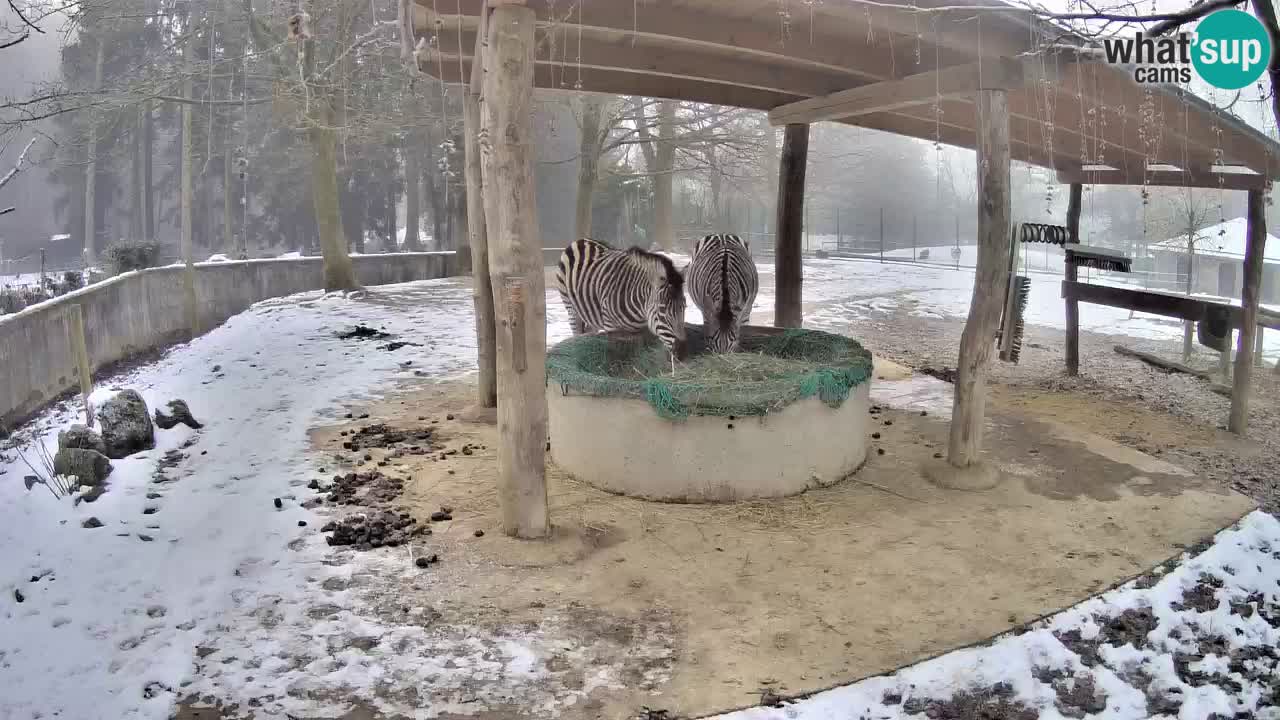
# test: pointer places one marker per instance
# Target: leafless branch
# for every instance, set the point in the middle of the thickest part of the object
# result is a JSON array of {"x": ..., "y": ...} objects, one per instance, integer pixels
[{"x": 17, "y": 166}]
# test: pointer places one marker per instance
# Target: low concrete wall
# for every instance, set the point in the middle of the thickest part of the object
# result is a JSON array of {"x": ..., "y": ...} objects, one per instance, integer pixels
[
  {"x": 622, "y": 446},
  {"x": 143, "y": 310}
]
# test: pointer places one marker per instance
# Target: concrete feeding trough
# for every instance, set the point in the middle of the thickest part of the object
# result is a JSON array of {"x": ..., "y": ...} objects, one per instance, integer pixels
[{"x": 787, "y": 414}]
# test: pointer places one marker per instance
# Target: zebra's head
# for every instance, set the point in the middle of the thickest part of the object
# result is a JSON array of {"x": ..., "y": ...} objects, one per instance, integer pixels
[
  {"x": 723, "y": 339},
  {"x": 664, "y": 311}
]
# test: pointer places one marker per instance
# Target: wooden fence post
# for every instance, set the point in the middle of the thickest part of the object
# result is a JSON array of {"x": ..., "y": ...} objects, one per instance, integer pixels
[
  {"x": 516, "y": 271},
  {"x": 788, "y": 310}
]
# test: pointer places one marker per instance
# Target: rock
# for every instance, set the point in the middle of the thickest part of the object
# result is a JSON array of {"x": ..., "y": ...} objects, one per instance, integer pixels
[
  {"x": 440, "y": 516},
  {"x": 91, "y": 523},
  {"x": 126, "y": 425},
  {"x": 479, "y": 533},
  {"x": 90, "y": 467},
  {"x": 279, "y": 503},
  {"x": 17, "y": 595},
  {"x": 421, "y": 562},
  {"x": 178, "y": 413},
  {"x": 82, "y": 438},
  {"x": 302, "y": 523}
]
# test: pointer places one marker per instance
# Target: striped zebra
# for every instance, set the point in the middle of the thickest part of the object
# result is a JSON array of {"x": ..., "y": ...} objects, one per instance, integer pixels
[
  {"x": 723, "y": 282},
  {"x": 605, "y": 289}
]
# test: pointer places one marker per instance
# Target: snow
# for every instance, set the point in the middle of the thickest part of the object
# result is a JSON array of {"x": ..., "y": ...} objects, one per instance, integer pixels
[
  {"x": 112, "y": 627},
  {"x": 1225, "y": 239},
  {"x": 218, "y": 257}
]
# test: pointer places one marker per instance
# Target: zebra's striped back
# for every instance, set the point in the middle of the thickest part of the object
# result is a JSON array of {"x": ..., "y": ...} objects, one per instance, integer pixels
[
  {"x": 605, "y": 289},
  {"x": 723, "y": 282}
]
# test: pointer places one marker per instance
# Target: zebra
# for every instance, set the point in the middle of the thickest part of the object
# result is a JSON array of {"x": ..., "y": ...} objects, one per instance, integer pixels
[
  {"x": 723, "y": 282},
  {"x": 606, "y": 289}
]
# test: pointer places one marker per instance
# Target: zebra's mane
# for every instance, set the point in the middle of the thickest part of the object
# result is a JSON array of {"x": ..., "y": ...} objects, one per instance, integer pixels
[{"x": 658, "y": 266}]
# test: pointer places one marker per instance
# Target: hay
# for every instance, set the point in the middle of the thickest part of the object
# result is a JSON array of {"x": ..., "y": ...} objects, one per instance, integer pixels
[{"x": 770, "y": 372}]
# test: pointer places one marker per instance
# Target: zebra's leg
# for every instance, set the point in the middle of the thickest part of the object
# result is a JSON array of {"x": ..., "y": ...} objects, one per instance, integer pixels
[{"x": 575, "y": 323}]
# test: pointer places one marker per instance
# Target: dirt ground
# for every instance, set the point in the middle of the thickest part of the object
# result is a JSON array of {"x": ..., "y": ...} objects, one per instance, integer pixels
[{"x": 704, "y": 608}]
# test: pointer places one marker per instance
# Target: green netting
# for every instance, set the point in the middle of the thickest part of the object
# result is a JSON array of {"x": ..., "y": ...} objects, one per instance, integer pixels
[{"x": 768, "y": 373}]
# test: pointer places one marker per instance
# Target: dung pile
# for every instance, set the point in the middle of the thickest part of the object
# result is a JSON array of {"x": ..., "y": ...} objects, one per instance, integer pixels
[
  {"x": 374, "y": 529},
  {"x": 366, "y": 488}
]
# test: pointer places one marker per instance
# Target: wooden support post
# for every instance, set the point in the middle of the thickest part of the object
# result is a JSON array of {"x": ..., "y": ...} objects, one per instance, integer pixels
[
  {"x": 1070, "y": 274},
  {"x": 477, "y": 240},
  {"x": 788, "y": 310},
  {"x": 990, "y": 279},
  {"x": 1256, "y": 232},
  {"x": 80, "y": 351},
  {"x": 1224, "y": 359},
  {"x": 1258, "y": 347},
  {"x": 515, "y": 269}
]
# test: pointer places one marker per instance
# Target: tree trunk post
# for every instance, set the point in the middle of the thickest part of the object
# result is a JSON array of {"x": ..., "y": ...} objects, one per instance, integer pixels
[
  {"x": 663, "y": 222},
  {"x": 1070, "y": 274},
  {"x": 1258, "y": 346},
  {"x": 588, "y": 164},
  {"x": 1238, "y": 421},
  {"x": 478, "y": 243},
  {"x": 516, "y": 271},
  {"x": 228, "y": 195},
  {"x": 788, "y": 310},
  {"x": 990, "y": 279}
]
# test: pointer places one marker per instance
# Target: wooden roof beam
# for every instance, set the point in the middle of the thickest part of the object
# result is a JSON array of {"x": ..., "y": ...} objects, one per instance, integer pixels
[
  {"x": 1167, "y": 178},
  {"x": 923, "y": 88}
]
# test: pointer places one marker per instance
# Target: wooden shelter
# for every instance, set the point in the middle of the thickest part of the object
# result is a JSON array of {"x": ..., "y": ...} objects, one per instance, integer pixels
[{"x": 975, "y": 74}]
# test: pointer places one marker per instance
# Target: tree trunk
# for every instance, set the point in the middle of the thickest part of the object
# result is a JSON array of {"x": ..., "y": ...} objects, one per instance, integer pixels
[
  {"x": 339, "y": 273},
  {"x": 1256, "y": 234},
  {"x": 91, "y": 170},
  {"x": 990, "y": 281},
  {"x": 482, "y": 287},
  {"x": 788, "y": 299},
  {"x": 135, "y": 181},
  {"x": 412, "y": 174},
  {"x": 664, "y": 224},
  {"x": 434, "y": 189},
  {"x": 187, "y": 201},
  {"x": 517, "y": 273},
  {"x": 148, "y": 194},
  {"x": 228, "y": 194},
  {"x": 588, "y": 163},
  {"x": 391, "y": 230}
]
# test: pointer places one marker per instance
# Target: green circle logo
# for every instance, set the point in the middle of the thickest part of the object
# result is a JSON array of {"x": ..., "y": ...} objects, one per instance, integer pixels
[{"x": 1232, "y": 49}]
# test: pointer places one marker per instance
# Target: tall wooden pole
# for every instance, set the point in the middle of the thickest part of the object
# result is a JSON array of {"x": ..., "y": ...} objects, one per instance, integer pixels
[
  {"x": 1238, "y": 422},
  {"x": 789, "y": 271},
  {"x": 477, "y": 251},
  {"x": 1069, "y": 270},
  {"x": 990, "y": 279},
  {"x": 515, "y": 269}
]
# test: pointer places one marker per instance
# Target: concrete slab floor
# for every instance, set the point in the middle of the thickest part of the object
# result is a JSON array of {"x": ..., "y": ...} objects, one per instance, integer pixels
[{"x": 696, "y": 608}]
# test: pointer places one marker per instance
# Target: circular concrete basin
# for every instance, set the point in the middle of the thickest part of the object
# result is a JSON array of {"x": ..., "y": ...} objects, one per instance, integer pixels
[{"x": 616, "y": 441}]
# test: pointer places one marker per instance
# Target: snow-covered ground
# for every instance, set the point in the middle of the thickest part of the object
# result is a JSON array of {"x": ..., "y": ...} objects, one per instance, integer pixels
[{"x": 113, "y": 618}]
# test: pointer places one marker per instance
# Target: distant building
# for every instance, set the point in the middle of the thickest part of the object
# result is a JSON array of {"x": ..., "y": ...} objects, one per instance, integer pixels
[{"x": 1219, "y": 262}]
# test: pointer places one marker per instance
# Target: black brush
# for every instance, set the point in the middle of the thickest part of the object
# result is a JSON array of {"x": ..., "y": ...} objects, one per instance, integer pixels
[{"x": 1019, "y": 314}]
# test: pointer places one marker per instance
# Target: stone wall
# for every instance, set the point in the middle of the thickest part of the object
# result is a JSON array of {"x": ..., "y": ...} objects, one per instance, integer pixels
[{"x": 141, "y": 311}]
